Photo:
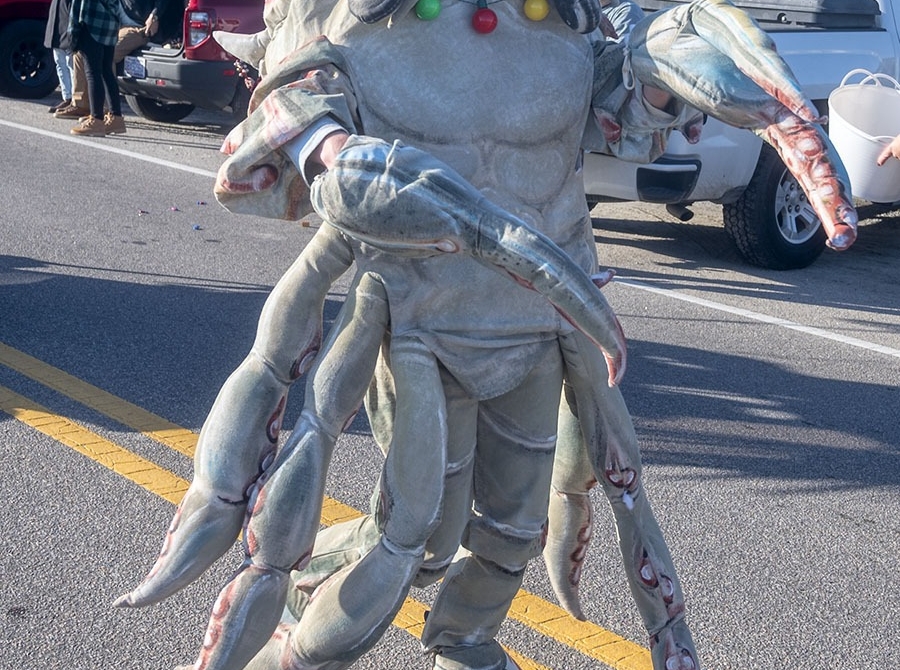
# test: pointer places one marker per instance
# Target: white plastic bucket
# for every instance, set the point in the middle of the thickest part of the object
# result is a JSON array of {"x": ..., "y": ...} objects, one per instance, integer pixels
[{"x": 863, "y": 118}]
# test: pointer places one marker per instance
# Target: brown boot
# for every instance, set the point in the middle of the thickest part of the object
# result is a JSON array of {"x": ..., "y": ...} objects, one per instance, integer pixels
[
  {"x": 115, "y": 124},
  {"x": 90, "y": 127},
  {"x": 71, "y": 112}
]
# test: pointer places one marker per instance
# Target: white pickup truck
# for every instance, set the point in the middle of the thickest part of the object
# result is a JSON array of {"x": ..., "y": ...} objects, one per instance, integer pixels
[{"x": 765, "y": 213}]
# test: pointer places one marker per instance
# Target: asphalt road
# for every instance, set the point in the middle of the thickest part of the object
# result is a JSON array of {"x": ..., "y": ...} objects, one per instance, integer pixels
[{"x": 767, "y": 405}]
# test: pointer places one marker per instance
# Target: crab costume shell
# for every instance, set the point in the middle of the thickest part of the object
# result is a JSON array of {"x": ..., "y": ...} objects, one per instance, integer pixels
[{"x": 476, "y": 302}]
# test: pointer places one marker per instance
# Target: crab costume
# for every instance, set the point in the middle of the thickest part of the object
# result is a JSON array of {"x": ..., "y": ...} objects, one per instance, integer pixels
[{"x": 476, "y": 302}]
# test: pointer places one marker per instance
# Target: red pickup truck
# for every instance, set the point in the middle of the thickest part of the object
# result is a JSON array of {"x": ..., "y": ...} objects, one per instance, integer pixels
[
  {"x": 184, "y": 68},
  {"x": 180, "y": 69}
]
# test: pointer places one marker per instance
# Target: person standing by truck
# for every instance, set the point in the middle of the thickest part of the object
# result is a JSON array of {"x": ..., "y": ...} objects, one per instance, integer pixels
[
  {"x": 94, "y": 26},
  {"x": 57, "y": 39},
  {"x": 139, "y": 20}
]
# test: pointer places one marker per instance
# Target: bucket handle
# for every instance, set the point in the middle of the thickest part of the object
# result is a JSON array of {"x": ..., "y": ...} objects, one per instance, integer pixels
[{"x": 875, "y": 77}]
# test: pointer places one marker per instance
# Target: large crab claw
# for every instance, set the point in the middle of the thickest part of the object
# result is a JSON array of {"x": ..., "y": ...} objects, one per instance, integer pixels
[
  {"x": 714, "y": 57},
  {"x": 402, "y": 200}
]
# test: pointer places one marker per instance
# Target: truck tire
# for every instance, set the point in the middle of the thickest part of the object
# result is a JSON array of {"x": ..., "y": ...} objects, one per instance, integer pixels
[
  {"x": 161, "y": 112},
  {"x": 27, "y": 69},
  {"x": 772, "y": 224}
]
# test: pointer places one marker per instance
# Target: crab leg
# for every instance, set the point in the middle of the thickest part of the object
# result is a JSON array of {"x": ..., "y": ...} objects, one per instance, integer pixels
[
  {"x": 240, "y": 434},
  {"x": 612, "y": 450},
  {"x": 403, "y": 200},
  {"x": 714, "y": 57},
  {"x": 369, "y": 593},
  {"x": 350, "y": 610},
  {"x": 570, "y": 516},
  {"x": 286, "y": 503}
]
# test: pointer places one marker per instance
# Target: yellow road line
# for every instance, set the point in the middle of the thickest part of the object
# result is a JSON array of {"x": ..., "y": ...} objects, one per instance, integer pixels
[
  {"x": 153, "y": 426},
  {"x": 121, "y": 461},
  {"x": 148, "y": 475},
  {"x": 588, "y": 638}
]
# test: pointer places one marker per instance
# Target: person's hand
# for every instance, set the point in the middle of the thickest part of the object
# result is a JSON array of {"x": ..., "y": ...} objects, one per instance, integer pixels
[
  {"x": 893, "y": 149},
  {"x": 329, "y": 148},
  {"x": 151, "y": 25},
  {"x": 657, "y": 98}
]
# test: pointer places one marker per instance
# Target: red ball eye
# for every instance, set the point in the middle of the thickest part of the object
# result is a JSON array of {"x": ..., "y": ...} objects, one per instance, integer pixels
[{"x": 484, "y": 20}]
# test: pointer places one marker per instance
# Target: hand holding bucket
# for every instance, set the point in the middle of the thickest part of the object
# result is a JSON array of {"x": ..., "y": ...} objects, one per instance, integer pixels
[
  {"x": 892, "y": 149},
  {"x": 864, "y": 120}
]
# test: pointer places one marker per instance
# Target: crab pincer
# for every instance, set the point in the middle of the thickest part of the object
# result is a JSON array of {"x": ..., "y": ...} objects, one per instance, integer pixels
[
  {"x": 714, "y": 57},
  {"x": 402, "y": 200}
]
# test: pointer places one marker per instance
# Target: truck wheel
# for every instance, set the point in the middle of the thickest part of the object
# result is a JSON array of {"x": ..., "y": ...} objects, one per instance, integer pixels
[
  {"x": 27, "y": 69},
  {"x": 154, "y": 110},
  {"x": 772, "y": 224}
]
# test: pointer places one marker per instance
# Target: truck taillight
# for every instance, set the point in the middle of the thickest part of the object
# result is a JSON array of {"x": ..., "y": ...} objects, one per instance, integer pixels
[{"x": 199, "y": 28}]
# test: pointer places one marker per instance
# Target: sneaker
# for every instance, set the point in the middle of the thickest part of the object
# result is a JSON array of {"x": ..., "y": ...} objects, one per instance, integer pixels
[
  {"x": 90, "y": 127},
  {"x": 71, "y": 112},
  {"x": 114, "y": 123},
  {"x": 59, "y": 105}
]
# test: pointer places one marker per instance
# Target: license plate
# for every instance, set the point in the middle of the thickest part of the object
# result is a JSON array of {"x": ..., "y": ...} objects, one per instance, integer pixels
[{"x": 135, "y": 67}]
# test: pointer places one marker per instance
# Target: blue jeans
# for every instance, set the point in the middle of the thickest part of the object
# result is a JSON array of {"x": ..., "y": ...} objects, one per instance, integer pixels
[{"x": 63, "y": 60}]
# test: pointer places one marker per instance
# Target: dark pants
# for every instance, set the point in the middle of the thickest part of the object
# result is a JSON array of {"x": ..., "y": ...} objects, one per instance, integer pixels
[{"x": 101, "y": 77}]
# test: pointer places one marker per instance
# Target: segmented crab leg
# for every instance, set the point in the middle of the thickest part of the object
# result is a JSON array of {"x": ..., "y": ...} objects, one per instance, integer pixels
[
  {"x": 286, "y": 503},
  {"x": 807, "y": 151},
  {"x": 612, "y": 450},
  {"x": 402, "y": 200},
  {"x": 241, "y": 432},
  {"x": 570, "y": 515},
  {"x": 370, "y": 592},
  {"x": 714, "y": 57},
  {"x": 350, "y": 610}
]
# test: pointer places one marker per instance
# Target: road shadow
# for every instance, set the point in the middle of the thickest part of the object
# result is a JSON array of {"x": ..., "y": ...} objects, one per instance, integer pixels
[
  {"x": 168, "y": 347},
  {"x": 744, "y": 417}
]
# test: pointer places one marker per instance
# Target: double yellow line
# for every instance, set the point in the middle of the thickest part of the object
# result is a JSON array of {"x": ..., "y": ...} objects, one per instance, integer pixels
[{"x": 540, "y": 615}]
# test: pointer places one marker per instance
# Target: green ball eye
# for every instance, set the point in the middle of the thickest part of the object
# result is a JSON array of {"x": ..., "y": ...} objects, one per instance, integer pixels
[{"x": 428, "y": 9}]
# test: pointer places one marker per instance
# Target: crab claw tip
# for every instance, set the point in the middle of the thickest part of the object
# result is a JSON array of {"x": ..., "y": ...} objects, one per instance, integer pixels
[
  {"x": 843, "y": 234},
  {"x": 603, "y": 277},
  {"x": 842, "y": 240},
  {"x": 123, "y": 601}
]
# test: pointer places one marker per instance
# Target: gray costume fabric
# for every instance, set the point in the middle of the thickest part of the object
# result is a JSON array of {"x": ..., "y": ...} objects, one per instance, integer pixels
[{"x": 501, "y": 364}]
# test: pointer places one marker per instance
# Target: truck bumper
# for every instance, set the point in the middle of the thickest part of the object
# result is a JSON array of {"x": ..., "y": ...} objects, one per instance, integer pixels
[
  {"x": 173, "y": 78},
  {"x": 718, "y": 169}
]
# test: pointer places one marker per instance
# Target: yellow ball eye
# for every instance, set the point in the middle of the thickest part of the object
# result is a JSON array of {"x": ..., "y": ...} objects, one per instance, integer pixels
[{"x": 536, "y": 10}]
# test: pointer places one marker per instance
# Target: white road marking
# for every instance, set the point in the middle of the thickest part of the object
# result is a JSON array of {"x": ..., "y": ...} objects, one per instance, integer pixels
[
  {"x": 669, "y": 293},
  {"x": 111, "y": 149},
  {"x": 764, "y": 318}
]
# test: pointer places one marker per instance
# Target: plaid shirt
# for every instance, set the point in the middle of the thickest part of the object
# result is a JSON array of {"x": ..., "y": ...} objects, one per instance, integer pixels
[{"x": 100, "y": 17}]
